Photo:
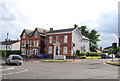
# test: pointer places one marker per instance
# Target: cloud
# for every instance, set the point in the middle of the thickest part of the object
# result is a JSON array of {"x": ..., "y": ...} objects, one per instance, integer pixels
[
  {"x": 9, "y": 22},
  {"x": 107, "y": 26},
  {"x": 108, "y": 22}
]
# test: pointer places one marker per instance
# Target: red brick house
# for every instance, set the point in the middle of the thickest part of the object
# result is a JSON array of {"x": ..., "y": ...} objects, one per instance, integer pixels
[
  {"x": 34, "y": 40},
  {"x": 65, "y": 41}
]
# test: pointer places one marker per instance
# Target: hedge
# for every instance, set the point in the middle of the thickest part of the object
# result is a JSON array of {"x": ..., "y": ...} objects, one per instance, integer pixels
[
  {"x": 9, "y": 52},
  {"x": 89, "y": 54}
]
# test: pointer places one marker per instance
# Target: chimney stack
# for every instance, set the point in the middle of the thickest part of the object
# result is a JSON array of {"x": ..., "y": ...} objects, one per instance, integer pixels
[
  {"x": 51, "y": 29},
  {"x": 75, "y": 26}
]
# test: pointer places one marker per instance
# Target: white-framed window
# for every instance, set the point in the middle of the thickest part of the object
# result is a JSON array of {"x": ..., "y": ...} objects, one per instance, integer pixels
[
  {"x": 57, "y": 38},
  {"x": 65, "y": 38},
  {"x": 24, "y": 35},
  {"x": 23, "y": 43},
  {"x": 50, "y": 49},
  {"x": 36, "y": 34},
  {"x": 65, "y": 49},
  {"x": 50, "y": 39},
  {"x": 35, "y": 43},
  {"x": 23, "y": 51},
  {"x": 35, "y": 51}
]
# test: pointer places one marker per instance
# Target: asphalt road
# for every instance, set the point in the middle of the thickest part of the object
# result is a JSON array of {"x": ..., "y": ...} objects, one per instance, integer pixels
[{"x": 83, "y": 69}]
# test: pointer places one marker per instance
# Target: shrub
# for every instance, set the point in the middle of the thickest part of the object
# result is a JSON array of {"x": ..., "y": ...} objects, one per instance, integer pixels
[
  {"x": 9, "y": 52},
  {"x": 78, "y": 52},
  {"x": 93, "y": 54}
]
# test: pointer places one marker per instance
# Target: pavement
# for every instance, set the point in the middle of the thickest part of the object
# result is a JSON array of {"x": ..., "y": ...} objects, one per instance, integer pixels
[{"x": 78, "y": 69}]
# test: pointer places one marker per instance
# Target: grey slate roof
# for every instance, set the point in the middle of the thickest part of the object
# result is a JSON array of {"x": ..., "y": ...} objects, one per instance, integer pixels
[
  {"x": 62, "y": 30},
  {"x": 9, "y": 42},
  {"x": 28, "y": 31}
]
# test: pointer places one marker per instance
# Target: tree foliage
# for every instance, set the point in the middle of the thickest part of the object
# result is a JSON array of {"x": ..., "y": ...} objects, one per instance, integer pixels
[
  {"x": 92, "y": 35},
  {"x": 94, "y": 38}
]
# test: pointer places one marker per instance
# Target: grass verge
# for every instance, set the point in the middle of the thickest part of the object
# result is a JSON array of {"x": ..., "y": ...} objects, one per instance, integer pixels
[
  {"x": 114, "y": 63},
  {"x": 93, "y": 57},
  {"x": 57, "y": 61}
]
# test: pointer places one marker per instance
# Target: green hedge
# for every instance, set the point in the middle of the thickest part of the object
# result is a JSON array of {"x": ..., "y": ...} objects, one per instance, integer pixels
[
  {"x": 89, "y": 54},
  {"x": 9, "y": 52}
]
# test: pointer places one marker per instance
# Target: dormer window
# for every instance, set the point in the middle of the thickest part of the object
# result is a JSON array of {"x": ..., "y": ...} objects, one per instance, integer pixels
[
  {"x": 36, "y": 34},
  {"x": 24, "y": 35}
]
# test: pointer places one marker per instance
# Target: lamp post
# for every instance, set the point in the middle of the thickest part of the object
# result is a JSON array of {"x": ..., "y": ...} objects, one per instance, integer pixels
[{"x": 6, "y": 45}]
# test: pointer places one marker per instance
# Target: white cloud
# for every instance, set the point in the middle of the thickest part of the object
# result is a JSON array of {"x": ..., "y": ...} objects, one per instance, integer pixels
[
  {"x": 96, "y": 14},
  {"x": 107, "y": 39},
  {"x": 9, "y": 22}
]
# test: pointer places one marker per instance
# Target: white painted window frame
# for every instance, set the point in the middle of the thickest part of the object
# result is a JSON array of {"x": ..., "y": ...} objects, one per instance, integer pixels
[
  {"x": 65, "y": 49},
  {"x": 50, "y": 49},
  {"x": 65, "y": 38}
]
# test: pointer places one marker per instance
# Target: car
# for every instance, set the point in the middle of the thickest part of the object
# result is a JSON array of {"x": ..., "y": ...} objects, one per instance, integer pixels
[
  {"x": 111, "y": 55},
  {"x": 44, "y": 56},
  {"x": 14, "y": 59},
  {"x": 105, "y": 55}
]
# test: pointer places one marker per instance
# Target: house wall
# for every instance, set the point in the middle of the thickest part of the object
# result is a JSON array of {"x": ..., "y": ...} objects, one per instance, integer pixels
[
  {"x": 3, "y": 47},
  {"x": 79, "y": 42},
  {"x": 32, "y": 38},
  {"x": 16, "y": 46},
  {"x": 68, "y": 44}
]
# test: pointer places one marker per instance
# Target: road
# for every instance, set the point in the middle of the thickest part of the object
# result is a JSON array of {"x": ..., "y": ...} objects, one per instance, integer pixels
[{"x": 83, "y": 69}]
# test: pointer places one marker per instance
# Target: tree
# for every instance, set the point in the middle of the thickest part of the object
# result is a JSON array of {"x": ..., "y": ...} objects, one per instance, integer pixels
[
  {"x": 84, "y": 31},
  {"x": 114, "y": 50},
  {"x": 110, "y": 51},
  {"x": 93, "y": 36}
]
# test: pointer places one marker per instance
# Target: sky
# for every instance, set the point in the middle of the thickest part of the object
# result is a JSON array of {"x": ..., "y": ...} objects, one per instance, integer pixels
[{"x": 102, "y": 15}]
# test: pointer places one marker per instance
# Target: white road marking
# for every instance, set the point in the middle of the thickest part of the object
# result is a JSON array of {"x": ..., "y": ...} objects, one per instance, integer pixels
[
  {"x": 7, "y": 69},
  {"x": 15, "y": 72}
]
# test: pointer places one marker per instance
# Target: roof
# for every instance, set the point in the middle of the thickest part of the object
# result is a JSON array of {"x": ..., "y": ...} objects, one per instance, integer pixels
[
  {"x": 83, "y": 37},
  {"x": 108, "y": 47},
  {"x": 61, "y": 30},
  {"x": 28, "y": 31},
  {"x": 9, "y": 42}
]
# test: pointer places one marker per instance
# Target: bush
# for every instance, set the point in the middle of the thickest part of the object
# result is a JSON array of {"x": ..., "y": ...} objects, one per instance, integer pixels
[
  {"x": 9, "y": 52},
  {"x": 78, "y": 52},
  {"x": 93, "y": 54},
  {"x": 87, "y": 53}
]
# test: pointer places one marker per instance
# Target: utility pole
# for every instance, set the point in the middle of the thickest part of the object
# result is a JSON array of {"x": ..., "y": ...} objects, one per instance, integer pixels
[{"x": 6, "y": 45}]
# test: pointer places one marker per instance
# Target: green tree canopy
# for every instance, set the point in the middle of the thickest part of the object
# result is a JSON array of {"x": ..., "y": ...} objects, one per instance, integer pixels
[{"x": 92, "y": 35}]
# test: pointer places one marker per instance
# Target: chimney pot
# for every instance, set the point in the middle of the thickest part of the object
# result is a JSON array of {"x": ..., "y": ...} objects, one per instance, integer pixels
[
  {"x": 75, "y": 26},
  {"x": 51, "y": 29}
]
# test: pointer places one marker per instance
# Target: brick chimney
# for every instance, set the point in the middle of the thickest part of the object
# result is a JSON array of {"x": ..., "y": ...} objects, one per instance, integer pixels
[
  {"x": 51, "y": 29},
  {"x": 75, "y": 26}
]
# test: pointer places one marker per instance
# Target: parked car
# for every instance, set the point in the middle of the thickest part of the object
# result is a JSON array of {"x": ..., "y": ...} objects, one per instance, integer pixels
[
  {"x": 105, "y": 55},
  {"x": 111, "y": 55},
  {"x": 44, "y": 56},
  {"x": 14, "y": 59}
]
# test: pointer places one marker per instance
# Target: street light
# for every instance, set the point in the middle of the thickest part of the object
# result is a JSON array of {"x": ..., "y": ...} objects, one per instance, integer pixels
[{"x": 6, "y": 45}]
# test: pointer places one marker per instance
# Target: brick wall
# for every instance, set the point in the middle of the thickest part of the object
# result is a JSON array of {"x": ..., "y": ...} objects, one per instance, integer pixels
[{"x": 68, "y": 44}]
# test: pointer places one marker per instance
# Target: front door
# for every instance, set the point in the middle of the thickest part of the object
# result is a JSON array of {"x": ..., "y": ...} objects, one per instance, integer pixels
[{"x": 56, "y": 50}]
